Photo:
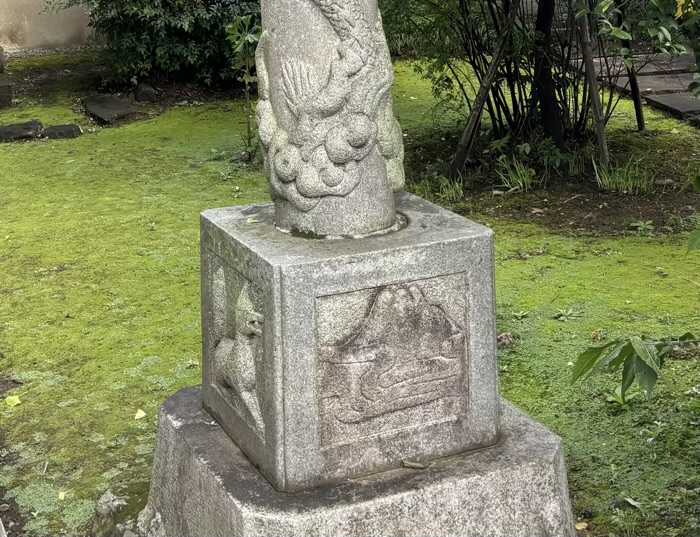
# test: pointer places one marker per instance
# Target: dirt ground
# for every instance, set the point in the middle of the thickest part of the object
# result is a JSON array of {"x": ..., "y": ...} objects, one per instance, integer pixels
[{"x": 573, "y": 207}]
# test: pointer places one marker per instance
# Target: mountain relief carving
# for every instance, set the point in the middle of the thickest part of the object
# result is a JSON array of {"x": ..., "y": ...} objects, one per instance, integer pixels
[{"x": 407, "y": 352}]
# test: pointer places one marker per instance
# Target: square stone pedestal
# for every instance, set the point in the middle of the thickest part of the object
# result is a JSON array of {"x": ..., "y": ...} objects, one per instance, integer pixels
[
  {"x": 326, "y": 359},
  {"x": 204, "y": 486}
]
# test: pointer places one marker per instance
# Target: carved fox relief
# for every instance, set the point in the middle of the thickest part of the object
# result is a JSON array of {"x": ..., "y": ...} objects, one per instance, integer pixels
[{"x": 238, "y": 358}]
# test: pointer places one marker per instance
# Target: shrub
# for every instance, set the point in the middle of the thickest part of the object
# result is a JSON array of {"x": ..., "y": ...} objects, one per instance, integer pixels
[{"x": 181, "y": 40}]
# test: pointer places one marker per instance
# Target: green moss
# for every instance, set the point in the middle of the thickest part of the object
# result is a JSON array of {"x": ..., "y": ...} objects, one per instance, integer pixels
[{"x": 99, "y": 317}]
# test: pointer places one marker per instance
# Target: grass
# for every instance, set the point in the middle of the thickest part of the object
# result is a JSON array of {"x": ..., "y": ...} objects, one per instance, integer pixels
[
  {"x": 630, "y": 178},
  {"x": 99, "y": 312},
  {"x": 515, "y": 176}
]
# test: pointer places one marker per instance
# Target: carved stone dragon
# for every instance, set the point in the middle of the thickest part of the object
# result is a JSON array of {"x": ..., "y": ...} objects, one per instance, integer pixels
[{"x": 339, "y": 121}]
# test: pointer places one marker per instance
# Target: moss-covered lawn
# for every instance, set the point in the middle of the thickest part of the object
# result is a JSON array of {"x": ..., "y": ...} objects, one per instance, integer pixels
[{"x": 99, "y": 318}]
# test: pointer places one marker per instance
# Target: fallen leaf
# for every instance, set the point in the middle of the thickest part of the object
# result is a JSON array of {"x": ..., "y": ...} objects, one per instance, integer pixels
[
  {"x": 580, "y": 526},
  {"x": 633, "y": 503},
  {"x": 12, "y": 401},
  {"x": 140, "y": 414},
  {"x": 533, "y": 172},
  {"x": 61, "y": 496},
  {"x": 675, "y": 131},
  {"x": 252, "y": 221},
  {"x": 536, "y": 211},
  {"x": 4, "y": 507}
]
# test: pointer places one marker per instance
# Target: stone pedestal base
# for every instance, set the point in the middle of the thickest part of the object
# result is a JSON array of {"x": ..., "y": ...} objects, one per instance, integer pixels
[{"x": 204, "y": 486}]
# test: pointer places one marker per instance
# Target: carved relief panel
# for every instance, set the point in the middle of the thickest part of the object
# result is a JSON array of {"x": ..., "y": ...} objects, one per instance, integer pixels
[
  {"x": 237, "y": 351},
  {"x": 391, "y": 358}
]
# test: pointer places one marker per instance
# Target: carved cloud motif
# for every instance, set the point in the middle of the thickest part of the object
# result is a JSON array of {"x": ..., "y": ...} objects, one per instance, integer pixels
[
  {"x": 408, "y": 352},
  {"x": 342, "y": 116}
]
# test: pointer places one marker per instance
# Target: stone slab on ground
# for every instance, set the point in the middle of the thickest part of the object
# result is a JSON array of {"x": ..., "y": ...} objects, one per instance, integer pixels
[
  {"x": 21, "y": 131},
  {"x": 645, "y": 65},
  {"x": 5, "y": 91},
  {"x": 62, "y": 132},
  {"x": 678, "y": 104},
  {"x": 203, "y": 485},
  {"x": 663, "y": 65},
  {"x": 329, "y": 359},
  {"x": 108, "y": 108},
  {"x": 654, "y": 84}
]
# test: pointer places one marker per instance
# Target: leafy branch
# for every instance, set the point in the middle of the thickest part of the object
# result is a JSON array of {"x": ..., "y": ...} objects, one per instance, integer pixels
[{"x": 641, "y": 359}]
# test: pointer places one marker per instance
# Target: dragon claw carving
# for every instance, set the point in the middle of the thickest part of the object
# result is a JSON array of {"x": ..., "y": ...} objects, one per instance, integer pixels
[{"x": 338, "y": 122}]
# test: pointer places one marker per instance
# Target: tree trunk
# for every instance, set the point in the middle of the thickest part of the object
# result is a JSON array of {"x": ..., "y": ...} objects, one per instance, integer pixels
[
  {"x": 467, "y": 140},
  {"x": 591, "y": 76},
  {"x": 544, "y": 87},
  {"x": 632, "y": 74}
]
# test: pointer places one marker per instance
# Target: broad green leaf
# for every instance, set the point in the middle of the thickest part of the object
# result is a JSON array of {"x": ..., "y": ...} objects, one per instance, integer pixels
[
  {"x": 696, "y": 181},
  {"x": 587, "y": 360},
  {"x": 646, "y": 377},
  {"x": 694, "y": 242},
  {"x": 620, "y": 34},
  {"x": 614, "y": 359},
  {"x": 628, "y": 373},
  {"x": 687, "y": 337},
  {"x": 648, "y": 355}
]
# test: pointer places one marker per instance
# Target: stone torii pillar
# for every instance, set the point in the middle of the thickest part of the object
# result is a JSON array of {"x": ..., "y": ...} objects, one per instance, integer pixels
[{"x": 350, "y": 379}]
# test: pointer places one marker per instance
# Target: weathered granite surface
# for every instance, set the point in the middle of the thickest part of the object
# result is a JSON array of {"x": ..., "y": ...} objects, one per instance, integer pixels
[
  {"x": 333, "y": 149},
  {"x": 326, "y": 359},
  {"x": 203, "y": 485}
]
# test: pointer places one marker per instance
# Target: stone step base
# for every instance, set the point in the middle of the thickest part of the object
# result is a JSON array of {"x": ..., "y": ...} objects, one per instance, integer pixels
[{"x": 203, "y": 485}]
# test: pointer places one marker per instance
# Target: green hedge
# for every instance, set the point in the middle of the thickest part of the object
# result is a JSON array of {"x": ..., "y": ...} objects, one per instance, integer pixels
[{"x": 159, "y": 40}]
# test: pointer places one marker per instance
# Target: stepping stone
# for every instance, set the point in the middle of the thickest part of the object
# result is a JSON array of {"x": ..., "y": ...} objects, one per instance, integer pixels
[
  {"x": 5, "y": 91},
  {"x": 664, "y": 65},
  {"x": 678, "y": 104},
  {"x": 21, "y": 131},
  {"x": 653, "y": 84},
  {"x": 108, "y": 108},
  {"x": 62, "y": 132}
]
